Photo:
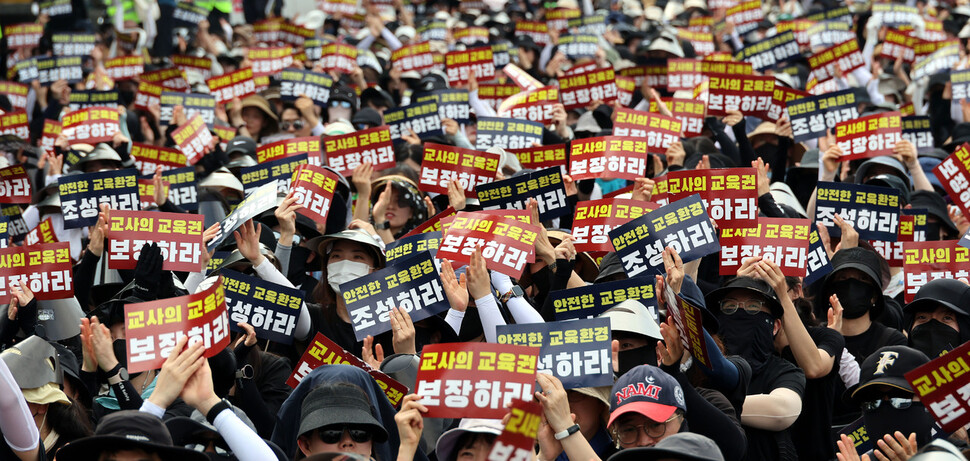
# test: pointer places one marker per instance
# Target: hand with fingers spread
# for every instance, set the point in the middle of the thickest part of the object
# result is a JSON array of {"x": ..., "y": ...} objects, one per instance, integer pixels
[
  {"x": 362, "y": 178},
  {"x": 178, "y": 367},
  {"x": 99, "y": 231},
  {"x": 247, "y": 241},
  {"x": 373, "y": 354},
  {"x": 768, "y": 271},
  {"x": 850, "y": 237},
  {"x": 479, "y": 282},
  {"x": 896, "y": 447},
  {"x": 456, "y": 195},
  {"x": 410, "y": 423},
  {"x": 148, "y": 272},
  {"x": 747, "y": 266},
  {"x": 402, "y": 331},
  {"x": 286, "y": 216},
  {"x": 835, "y": 314},
  {"x": 643, "y": 189},
  {"x": 671, "y": 349},
  {"x": 455, "y": 289},
  {"x": 823, "y": 235},
  {"x": 675, "y": 269}
]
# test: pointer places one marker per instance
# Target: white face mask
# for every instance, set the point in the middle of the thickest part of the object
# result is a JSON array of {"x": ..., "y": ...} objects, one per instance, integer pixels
[{"x": 345, "y": 271}]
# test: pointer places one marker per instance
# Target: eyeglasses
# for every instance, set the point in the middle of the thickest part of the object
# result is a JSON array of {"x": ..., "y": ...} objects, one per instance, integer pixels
[
  {"x": 332, "y": 436},
  {"x": 344, "y": 104},
  {"x": 899, "y": 403},
  {"x": 730, "y": 306},
  {"x": 297, "y": 124},
  {"x": 628, "y": 434}
]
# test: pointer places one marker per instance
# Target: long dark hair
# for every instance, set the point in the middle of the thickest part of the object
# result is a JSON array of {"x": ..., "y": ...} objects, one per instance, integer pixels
[{"x": 70, "y": 422}]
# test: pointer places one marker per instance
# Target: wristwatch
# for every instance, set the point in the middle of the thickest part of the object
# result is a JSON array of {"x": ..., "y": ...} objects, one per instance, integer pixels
[
  {"x": 120, "y": 374},
  {"x": 515, "y": 292},
  {"x": 567, "y": 432},
  {"x": 383, "y": 225}
]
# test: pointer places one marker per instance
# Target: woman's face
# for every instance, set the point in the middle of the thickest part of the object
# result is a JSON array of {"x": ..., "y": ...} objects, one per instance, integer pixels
[
  {"x": 293, "y": 122},
  {"x": 313, "y": 443},
  {"x": 344, "y": 250},
  {"x": 254, "y": 119},
  {"x": 477, "y": 450},
  {"x": 396, "y": 215}
]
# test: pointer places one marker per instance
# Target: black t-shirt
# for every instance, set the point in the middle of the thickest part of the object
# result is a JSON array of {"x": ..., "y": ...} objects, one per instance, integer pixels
[
  {"x": 771, "y": 445},
  {"x": 6, "y": 453},
  {"x": 811, "y": 432},
  {"x": 342, "y": 332}
]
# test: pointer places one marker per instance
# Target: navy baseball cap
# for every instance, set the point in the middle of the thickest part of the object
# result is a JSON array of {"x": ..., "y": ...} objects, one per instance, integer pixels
[{"x": 646, "y": 390}]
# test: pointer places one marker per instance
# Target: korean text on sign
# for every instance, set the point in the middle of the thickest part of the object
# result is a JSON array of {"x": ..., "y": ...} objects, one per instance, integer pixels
[
  {"x": 14, "y": 185},
  {"x": 460, "y": 64},
  {"x": 182, "y": 190},
  {"x": 546, "y": 186},
  {"x": 457, "y": 380},
  {"x": 507, "y": 133},
  {"x": 593, "y": 300},
  {"x": 314, "y": 187},
  {"x": 256, "y": 202},
  {"x": 407, "y": 246},
  {"x": 871, "y": 136},
  {"x": 153, "y": 327},
  {"x": 82, "y": 194},
  {"x": 608, "y": 156},
  {"x": 581, "y": 89},
  {"x": 148, "y": 158},
  {"x": 690, "y": 323},
  {"x": 748, "y": 94},
  {"x": 730, "y": 194},
  {"x": 943, "y": 387},
  {"x": 238, "y": 84},
  {"x": 517, "y": 440},
  {"x": 812, "y": 116},
  {"x": 575, "y": 351},
  {"x": 431, "y": 225},
  {"x": 91, "y": 125},
  {"x": 443, "y": 164},
  {"x": 193, "y": 138},
  {"x": 309, "y": 145},
  {"x": 46, "y": 267},
  {"x": 782, "y": 240},
  {"x": 315, "y": 86},
  {"x": 270, "y": 308},
  {"x": 595, "y": 219},
  {"x": 178, "y": 234},
  {"x": 346, "y": 152},
  {"x": 683, "y": 225},
  {"x": 421, "y": 118},
  {"x": 954, "y": 175},
  {"x": 508, "y": 244},
  {"x": 926, "y": 261},
  {"x": 872, "y": 210},
  {"x": 659, "y": 130},
  {"x": 539, "y": 157},
  {"x": 279, "y": 171},
  {"x": 43, "y": 233}
]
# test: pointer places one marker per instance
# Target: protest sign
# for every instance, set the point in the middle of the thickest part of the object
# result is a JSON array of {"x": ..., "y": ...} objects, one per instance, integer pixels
[
  {"x": 475, "y": 380},
  {"x": 192, "y": 104},
  {"x": 871, "y": 136},
  {"x": 309, "y": 145},
  {"x": 828, "y": 33},
  {"x": 433, "y": 30},
  {"x": 508, "y": 244},
  {"x": 470, "y": 35},
  {"x": 690, "y": 112},
  {"x": 14, "y": 185},
  {"x": 91, "y": 125},
  {"x": 411, "y": 245},
  {"x": 226, "y": 87},
  {"x": 179, "y": 236},
  {"x": 152, "y": 328},
  {"x": 912, "y": 228},
  {"x": 256, "y": 202},
  {"x": 338, "y": 57},
  {"x": 540, "y": 157},
  {"x": 507, "y": 133},
  {"x": 346, "y": 152},
  {"x": 444, "y": 164},
  {"x": 780, "y": 99},
  {"x": 545, "y": 186},
  {"x": 872, "y": 210},
  {"x": 917, "y": 130},
  {"x": 45, "y": 267},
  {"x": 82, "y": 194},
  {"x": 270, "y": 61},
  {"x": 43, "y": 233},
  {"x": 452, "y": 104},
  {"x": 170, "y": 78},
  {"x": 431, "y": 225},
  {"x": 608, "y": 156},
  {"x": 845, "y": 55},
  {"x": 899, "y": 45},
  {"x": 294, "y": 83},
  {"x": 125, "y": 67},
  {"x": 5, "y": 231},
  {"x": 91, "y": 98},
  {"x": 592, "y": 300},
  {"x": 575, "y": 351},
  {"x": 193, "y": 138},
  {"x": 492, "y": 94},
  {"x": 150, "y": 157},
  {"x": 730, "y": 194},
  {"x": 748, "y": 94},
  {"x": 781, "y": 240},
  {"x": 683, "y": 225},
  {"x": 279, "y": 171},
  {"x": 535, "y": 105},
  {"x": 925, "y": 261},
  {"x": 537, "y": 30},
  {"x": 146, "y": 193},
  {"x": 558, "y": 18},
  {"x": 411, "y": 283},
  {"x": 323, "y": 351},
  {"x": 745, "y": 16},
  {"x": 52, "y": 128},
  {"x": 271, "y": 309},
  {"x": 770, "y": 52},
  {"x": 954, "y": 175},
  {"x": 817, "y": 265},
  {"x": 313, "y": 187},
  {"x": 55, "y": 8},
  {"x": 459, "y": 65},
  {"x": 189, "y": 15},
  {"x": 653, "y": 74},
  {"x": 148, "y": 95},
  {"x": 690, "y": 323},
  {"x": 812, "y": 116},
  {"x": 182, "y": 190},
  {"x": 16, "y": 93},
  {"x": 959, "y": 81},
  {"x": 895, "y": 15},
  {"x": 941, "y": 387},
  {"x": 517, "y": 440},
  {"x": 578, "y": 46},
  {"x": 22, "y": 35},
  {"x": 659, "y": 130},
  {"x": 15, "y": 123},
  {"x": 594, "y": 220},
  {"x": 581, "y": 89},
  {"x": 15, "y": 222},
  {"x": 188, "y": 63},
  {"x": 417, "y": 57},
  {"x": 594, "y": 24},
  {"x": 421, "y": 118}
]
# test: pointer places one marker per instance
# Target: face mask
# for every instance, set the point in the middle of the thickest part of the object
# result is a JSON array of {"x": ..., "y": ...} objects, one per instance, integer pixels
[
  {"x": 933, "y": 230},
  {"x": 127, "y": 97},
  {"x": 933, "y": 338},
  {"x": 631, "y": 358},
  {"x": 298, "y": 261},
  {"x": 855, "y": 297},
  {"x": 121, "y": 352},
  {"x": 344, "y": 271},
  {"x": 766, "y": 152},
  {"x": 887, "y": 420},
  {"x": 750, "y": 336}
]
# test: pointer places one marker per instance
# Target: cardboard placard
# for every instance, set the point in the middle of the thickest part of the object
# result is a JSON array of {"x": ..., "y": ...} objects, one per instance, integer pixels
[
  {"x": 507, "y": 244},
  {"x": 146, "y": 193},
  {"x": 271, "y": 309},
  {"x": 690, "y": 112},
  {"x": 492, "y": 94},
  {"x": 15, "y": 222},
  {"x": 43, "y": 233},
  {"x": 149, "y": 157},
  {"x": 538, "y": 31},
  {"x": 471, "y": 35},
  {"x": 578, "y": 46},
  {"x": 82, "y": 194},
  {"x": 258, "y": 201},
  {"x": 179, "y": 236},
  {"x": 771, "y": 52},
  {"x": 940, "y": 384},
  {"x": 872, "y": 210},
  {"x": 417, "y": 57},
  {"x": 411, "y": 245},
  {"x": 91, "y": 125},
  {"x": 690, "y": 324},
  {"x": 507, "y": 133},
  {"x": 192, "y": 104},
  {"x": 782, "y": 240},
  {"x": 338, "y": 57},
  {"x": 431, "y": 225},
  {"x": 954, "y": 175},
  {"x": 535, "y": 105},
  {"x": 16, "y": 93},
  {"x": 279, "y": 171},
  {"x": 459, "y": 65},
  {"x": 829, "y": 33},
  {"x": 125, "y": 67},
  {"x": 56, "y": 7},
  {"x": 148, "y": 95},
  {"x": 309, "y": 145},
  {"x": 575, "y": 351},
  {"x": 192, "y": 138},
  {"x": 152, "y": 328},
  {"x": 540, "y": 157},
  {"x": 594, "y": 220},
  {"x": 91, "y": 98},
  {"x": 517, "y": 440},
  {"x": 812, "y": 116},
  {"x": 925, "y": 261},
  {"x": 346, "y": 152},
  {"x": 188, "y": 14},
  {"x": 443, "y": 164},
  {"x": 14, "y": 185},
  {"x": 749, "y": 94},
  {"x": 959, "y": 82},
  {"x": 730, "y": 194},
  {"x": 294, "y": 83},
  {"x": 871, "y": 136},
  {"x": 592, "y": 300},
  {"x": 545, "y": 186},
  {"x": 46, "y": 267},
  {"x": 845, "y": 55},
  {"x": 912, "y": 228},
  {"x": 660, "y": 130},
  {"x": 238, "y": 84},
  {"x": 270, "y": 61},
  {"x": 23, "y": 35},
  {"x": 186, "y": 63},
  {"x": 899, "y": 45},
  {"x": 314, "y": 187},
  {"x": 581, "y": 89},
  {"x": 918, "y": 131},
  {"x": 608, "y": 156},
  {"x": 421, "y": 118},
  {"x": 745, "y": 16},
  {"x": 182, "y": 190},
  {"x": 475, "y": 380}
]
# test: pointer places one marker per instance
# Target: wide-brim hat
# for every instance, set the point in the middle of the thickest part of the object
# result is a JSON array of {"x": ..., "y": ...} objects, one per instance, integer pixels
[
  {"x": 751, "y": 284},
  {"x": 338, "y": 405},
  {"x": 319, "y": 244},
  {"x": 129, "y": 430},
  {"x": 448, "y": 442},
  {"x": 631, "y": 316}
]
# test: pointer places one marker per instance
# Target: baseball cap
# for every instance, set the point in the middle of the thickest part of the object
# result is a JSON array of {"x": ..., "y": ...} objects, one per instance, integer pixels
[
  {"x": 953, "y": 294},
  {"x": 631, "y": 316},
  {"x": 886, "y": 367},
  {"x": 646, "y": 390}
]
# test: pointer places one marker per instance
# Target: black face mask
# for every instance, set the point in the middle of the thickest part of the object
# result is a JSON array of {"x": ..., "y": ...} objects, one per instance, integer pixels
[
  {"x": 802, "y": 186},
  {"x": 630, "y": 358},
  {"x": 767, "y": 152},
  {"x": 933, "y": 338},
  {"x": 750, "y": 336},
  {"x": 298, "y": 262},
  {"x": 933, "y": 230},
  {"x": 127, "y": 97},
  {"x": 855, "y": 297},
  {"x": 121, "y": 352},
  {"x": 887, "y": 420}
]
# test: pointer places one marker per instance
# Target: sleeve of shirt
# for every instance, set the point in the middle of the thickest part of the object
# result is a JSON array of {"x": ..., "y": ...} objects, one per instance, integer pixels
[
  {"x": 828, "y": 340},
  {"x": 153, "y": 409},
  {"x": 243, "y": 441}
]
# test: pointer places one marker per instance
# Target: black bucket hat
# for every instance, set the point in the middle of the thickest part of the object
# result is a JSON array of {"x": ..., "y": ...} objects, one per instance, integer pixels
[
  {"x": 339, "y": 404},
  {"x": 866, "y": 261},
  {"x": 129, "y": 429}
]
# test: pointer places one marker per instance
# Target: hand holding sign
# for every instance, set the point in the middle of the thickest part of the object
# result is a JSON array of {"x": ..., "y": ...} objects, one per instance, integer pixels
[
  {"x": 671, "y": 350},
  {"x": 176, "y": 371}
]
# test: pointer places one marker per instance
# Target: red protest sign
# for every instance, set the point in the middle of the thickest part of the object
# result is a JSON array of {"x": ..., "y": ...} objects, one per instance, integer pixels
[
  {"x": 688, "y": 111},
  {"x": 186, "y": 63},
  {"x": 433, "y": 224},
  {"x": 459, "y": 64},
  {"x": 745, "y": 16},
  {"x": 521, "y": 78},
  {"x": 608, "y": 156},
  {"x": 313, "y": 186},
  {"x": 909, "y": 227},
  {"x": 538, "y": 31},
  {"x": 192, "y": 138},
  {"x": 541, "y": 157},
  {"x": 581, "y": 89},
  {"x": 179, "y": 235},
  {"x": 871, "y": 136},
  {"x": 925, "y": 261},
  {"x": 91, "y": 125},
  {"x": 941, "y": 387},
  {"x": 238, "y": 84},
  {"x": 14, "y": 185},
  {"x": 508, "y": 244},
  {"x": 782, "y": 240},
  {"x": 444, "y": 164},
  {"x": 346, "y": 152},
  {"x": 517, "y": 440},
  {"x": 338, "y": 57},
  {"x": 594, "y": 219},
  {"x": 417, "y": 57},
  {"x": 659, "y": 130},
  {"x": 148, "y": 158},
  {"x": 309, "y": 145},
  {"x": 52, "y": 128},
  {"x": 729, "y": 194},
  {"x": 125, "y": 67},
  {"x": 15, "y": 123},
  {"x": 845, "y": 55},
  {"x": 152, "y": 328},
  {"x": 475, "y": 380},
  {"x": 323, "y": 351},
  {"x": 16, "y": 93},
  {"x": 749, "y": 94},
  {"x": 148, "y": 94},
  {"x": 954, "y": 174},
  {"x": 269, "y": 61},
  {"x": 689, "y": 321},
  {"x": 47, "y": 268},
  {"x": 43, "y": 233},
  {"x": 535, "y": 105},
  {"x": 146, "y": 192},
  {"x": 898, "y": 45}
]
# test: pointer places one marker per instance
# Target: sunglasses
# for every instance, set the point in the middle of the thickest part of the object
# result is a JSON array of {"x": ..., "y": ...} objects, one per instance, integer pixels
[
  {"x": 332, "y": 436},
  {"x": 296, "y": 124},
  {"x": 898, "y": 403}
]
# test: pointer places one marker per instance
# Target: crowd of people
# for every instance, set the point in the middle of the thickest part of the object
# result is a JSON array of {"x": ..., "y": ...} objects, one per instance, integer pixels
[{"x": 797, "y": 370}]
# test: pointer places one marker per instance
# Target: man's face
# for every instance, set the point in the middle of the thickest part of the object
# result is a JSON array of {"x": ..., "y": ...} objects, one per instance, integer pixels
[{"x": 636, "y": 430}]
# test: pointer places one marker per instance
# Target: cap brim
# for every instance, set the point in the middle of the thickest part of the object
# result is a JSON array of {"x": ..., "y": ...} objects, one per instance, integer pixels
[
  {"x": 324, "y": 417},
  {"x": 655, "y": 411},
  {"x": 655, "y": 454},
  {"x": 855, "y": 394},
  {"x": 914, "y": 306},
  {"x": 90, "y": 449},
  {"x": 446, "y": 444}
]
